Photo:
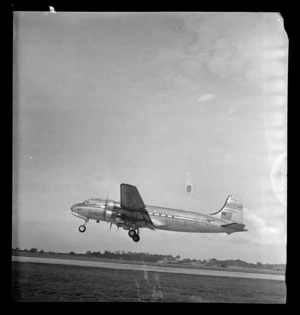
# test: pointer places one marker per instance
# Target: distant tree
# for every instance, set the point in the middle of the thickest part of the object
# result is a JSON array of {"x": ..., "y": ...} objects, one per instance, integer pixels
[
  {"x": 70, "y": 253},
  {"x": 41, "y": 251},
  {"x": 88, "y": 252},
  {"x": 33, "y": 250},
  {"x": 259, "y": 263}
]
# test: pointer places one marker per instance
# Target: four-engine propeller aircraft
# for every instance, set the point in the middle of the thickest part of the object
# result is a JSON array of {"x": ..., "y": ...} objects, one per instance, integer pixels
[{"x": 131, "y": 214}]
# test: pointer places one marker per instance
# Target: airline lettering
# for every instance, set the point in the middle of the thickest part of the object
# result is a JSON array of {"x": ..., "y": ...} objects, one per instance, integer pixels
[
  {"x": 233, "y": 205},
  {"x": 170, "y": 215}
]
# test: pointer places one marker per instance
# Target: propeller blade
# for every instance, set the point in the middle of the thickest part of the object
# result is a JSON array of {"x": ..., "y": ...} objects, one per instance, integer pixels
[{"x": 110, "y": 225}]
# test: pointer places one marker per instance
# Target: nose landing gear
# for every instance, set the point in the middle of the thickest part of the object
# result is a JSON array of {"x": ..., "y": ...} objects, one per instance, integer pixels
[
  {"x": 82, "y": 228},
  {"x": 134, "y": 234}
]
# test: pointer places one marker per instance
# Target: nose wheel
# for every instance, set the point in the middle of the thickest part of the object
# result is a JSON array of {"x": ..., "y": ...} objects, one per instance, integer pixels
[
  {"x": 82, "y": 228},
  {"x": 134, "y": 235}
]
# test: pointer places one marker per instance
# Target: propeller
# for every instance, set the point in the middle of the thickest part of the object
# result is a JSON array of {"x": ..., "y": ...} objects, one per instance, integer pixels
[
  {"x": 106, "y": 206},
  {"x": 111, "y": 225},
  {"x": 106, "y": 201}
]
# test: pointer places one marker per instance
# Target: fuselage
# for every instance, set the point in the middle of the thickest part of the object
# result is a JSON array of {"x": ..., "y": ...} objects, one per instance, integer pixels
[{"x": 162, "y": 218}]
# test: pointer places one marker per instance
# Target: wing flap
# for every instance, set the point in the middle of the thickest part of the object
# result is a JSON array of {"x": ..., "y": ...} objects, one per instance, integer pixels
[
  {"x": 148, "y": 220},
  {"x": 157, "y": 222}
]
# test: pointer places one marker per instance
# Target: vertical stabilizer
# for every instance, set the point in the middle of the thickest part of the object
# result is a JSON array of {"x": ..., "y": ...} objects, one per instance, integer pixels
[{"x": 232, "y": 210}]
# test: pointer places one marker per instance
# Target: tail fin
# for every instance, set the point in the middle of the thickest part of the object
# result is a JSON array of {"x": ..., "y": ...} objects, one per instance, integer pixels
[{"x": 232, "y": 211}]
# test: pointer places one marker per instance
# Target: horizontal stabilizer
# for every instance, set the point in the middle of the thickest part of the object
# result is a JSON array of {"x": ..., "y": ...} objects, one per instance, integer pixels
[{"x": 235, "y": 226}]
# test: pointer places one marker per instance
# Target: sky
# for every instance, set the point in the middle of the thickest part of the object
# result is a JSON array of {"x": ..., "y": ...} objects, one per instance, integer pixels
[{"x": 156, "y": 100}]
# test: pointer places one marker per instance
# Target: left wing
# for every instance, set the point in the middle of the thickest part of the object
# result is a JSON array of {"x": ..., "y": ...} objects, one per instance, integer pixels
[
  {"x": 133, "y": 206},
  {"x": 130, "y": 198}
]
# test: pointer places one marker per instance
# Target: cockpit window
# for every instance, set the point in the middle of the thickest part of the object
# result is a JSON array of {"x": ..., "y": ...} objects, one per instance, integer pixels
[{"x": 89, "y": 202}]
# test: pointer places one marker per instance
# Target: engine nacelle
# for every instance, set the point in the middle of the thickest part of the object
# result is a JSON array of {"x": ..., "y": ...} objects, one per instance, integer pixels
[
  {"x": 108, "y": 211},
  {"x": 119, "y": 220},
  {"x": 107, "y": 215},
  {"x": 110, "y": 205}
]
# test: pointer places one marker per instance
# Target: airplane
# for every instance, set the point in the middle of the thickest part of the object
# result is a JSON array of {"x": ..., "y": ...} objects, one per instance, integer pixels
[{"x": 132, "y": 214}]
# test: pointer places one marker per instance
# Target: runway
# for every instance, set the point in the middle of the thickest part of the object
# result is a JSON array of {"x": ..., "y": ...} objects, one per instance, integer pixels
[{"x": 145, "y": 267}]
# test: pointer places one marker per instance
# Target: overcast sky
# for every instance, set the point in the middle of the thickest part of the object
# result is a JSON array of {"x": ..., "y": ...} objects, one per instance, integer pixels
[{"x": 150, "y": 99}]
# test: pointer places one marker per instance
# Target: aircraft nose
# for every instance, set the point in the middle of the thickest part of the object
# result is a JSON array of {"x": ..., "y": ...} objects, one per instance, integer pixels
[{"x": 74, "y": 207}]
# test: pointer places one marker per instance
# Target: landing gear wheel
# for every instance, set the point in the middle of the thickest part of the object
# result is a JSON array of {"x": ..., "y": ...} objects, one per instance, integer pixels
[
  {"x": 131, "y": 233},
  {"x": 82, "y": 228},
  {"x": 136, "y": 238}
]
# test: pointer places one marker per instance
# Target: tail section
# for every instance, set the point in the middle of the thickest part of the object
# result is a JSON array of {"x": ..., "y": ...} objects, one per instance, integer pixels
[{"x": 232, "y": 211}]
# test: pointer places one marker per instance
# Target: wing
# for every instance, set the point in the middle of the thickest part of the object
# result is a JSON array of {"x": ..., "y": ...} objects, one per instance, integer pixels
[
  {"x": 147, "y": 219},
  {"x": 134, "y": 206},
  {"x": 130, "y": 198}
]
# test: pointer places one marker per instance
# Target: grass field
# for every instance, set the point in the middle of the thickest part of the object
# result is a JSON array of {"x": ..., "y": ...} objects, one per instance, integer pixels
[{"x": 55, "y": 283}]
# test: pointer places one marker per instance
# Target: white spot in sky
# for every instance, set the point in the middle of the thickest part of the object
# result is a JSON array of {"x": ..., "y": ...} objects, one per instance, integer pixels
[
  {"x": 206, "y": 97},
  {"x": 231, "y": 110}
]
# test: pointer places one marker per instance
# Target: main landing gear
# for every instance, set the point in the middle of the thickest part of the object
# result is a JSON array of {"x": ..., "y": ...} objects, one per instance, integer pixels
[
  {"x": 82, "y": 228},
  {"x": 134, "y": 234}
]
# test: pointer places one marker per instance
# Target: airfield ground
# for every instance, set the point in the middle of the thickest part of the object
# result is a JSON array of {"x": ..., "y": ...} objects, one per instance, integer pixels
[
  {"x": 53, "y": 283},
  {"x": 86, "y": 258}
]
